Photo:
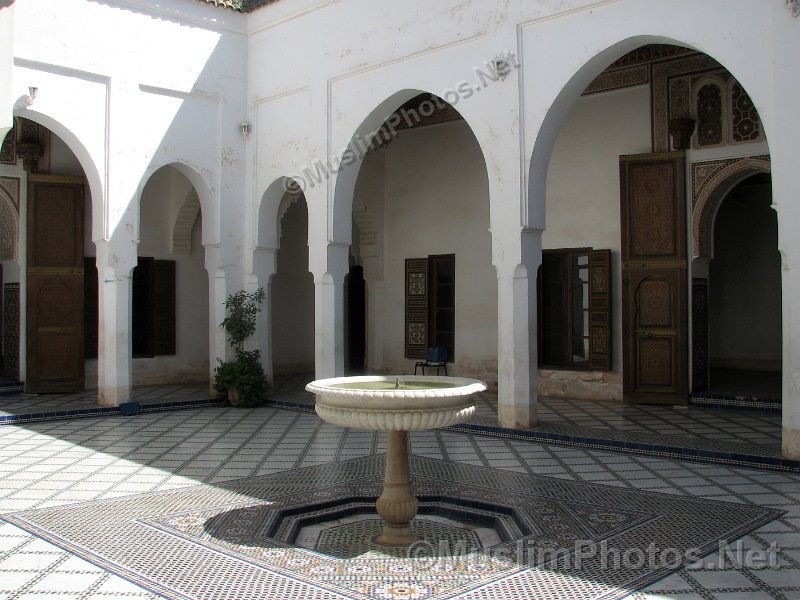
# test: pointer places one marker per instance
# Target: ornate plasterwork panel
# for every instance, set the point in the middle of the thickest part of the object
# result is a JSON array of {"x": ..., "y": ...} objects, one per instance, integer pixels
[
  {"x": 709, "y": 115},
  {"x": 11, "y": 330},
  {"x": 634, "y": 67},
  {"x": 618, "y": 79},
  {"x": 8, "y": 148},
  {"x": 699, "y": 334},
  {"x": 9, "y": 218},
  {"x": 745, "y": 122}
]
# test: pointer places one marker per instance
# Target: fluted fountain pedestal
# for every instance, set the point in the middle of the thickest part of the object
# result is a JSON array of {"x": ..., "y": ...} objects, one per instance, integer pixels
[
  {"x": 397, "y": 505},
  {"x": 396, "y": 405}
]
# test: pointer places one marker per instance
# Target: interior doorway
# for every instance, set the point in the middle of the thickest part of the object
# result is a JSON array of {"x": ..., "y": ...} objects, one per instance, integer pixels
[{"x": 744, "y": 295}]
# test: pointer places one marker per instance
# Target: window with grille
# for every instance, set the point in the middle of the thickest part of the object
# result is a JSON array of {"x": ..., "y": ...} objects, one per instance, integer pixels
[
  {"x": 430, "y": 304},
  {"x": 575, "y": 308}
]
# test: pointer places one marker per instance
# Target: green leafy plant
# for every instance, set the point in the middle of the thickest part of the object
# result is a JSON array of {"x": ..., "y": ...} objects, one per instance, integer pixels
[{"x": 242, "y": 379}]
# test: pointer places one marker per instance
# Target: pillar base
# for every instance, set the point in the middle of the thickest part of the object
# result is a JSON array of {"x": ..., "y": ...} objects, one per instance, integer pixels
[
  {"x": 791, "y": 443},
  {"x": 113, "y": 396},
  {"x": 516, "y": 416}
]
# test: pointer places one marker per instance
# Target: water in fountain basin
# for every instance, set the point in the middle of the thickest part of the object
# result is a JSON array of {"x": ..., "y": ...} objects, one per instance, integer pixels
[{"x": 392, "y": 385}]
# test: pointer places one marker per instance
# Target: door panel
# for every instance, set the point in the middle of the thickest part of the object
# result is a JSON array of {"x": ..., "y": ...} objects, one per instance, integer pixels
[
  {"x": 55, "y": 355},
  {"x": 654, "y": 303}
]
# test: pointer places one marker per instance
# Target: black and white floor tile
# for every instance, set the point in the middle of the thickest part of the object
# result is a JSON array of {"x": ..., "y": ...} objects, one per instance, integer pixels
[{"x": 63, "y": 465}]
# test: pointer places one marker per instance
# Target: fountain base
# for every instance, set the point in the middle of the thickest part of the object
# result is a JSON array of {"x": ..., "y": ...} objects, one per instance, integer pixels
[{"x": 396, "y": 405}]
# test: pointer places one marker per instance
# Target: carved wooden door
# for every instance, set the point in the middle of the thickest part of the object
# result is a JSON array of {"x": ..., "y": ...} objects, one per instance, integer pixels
[
  {"x": 55, "y": 312},
  {"x": 654, "y": 293}
]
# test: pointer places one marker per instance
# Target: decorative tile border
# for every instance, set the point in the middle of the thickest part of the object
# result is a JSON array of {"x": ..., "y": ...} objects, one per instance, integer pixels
[
  {"x": 12, "y": 389},
  {"x": 707, "y": 399},
  {"x": 106, "y": 411}
]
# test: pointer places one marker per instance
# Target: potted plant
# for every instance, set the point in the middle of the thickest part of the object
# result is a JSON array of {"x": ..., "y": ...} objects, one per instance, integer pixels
[{"x": 242, "y": 379}]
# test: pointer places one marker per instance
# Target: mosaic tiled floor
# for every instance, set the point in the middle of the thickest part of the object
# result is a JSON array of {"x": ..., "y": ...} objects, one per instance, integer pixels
[
  {"x": 58, "y": 463},
  {"x": 740, "y": 437},
  {"x": 561, "y": 540}
]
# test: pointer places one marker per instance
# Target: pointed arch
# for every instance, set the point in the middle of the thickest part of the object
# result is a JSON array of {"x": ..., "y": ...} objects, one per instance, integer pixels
[
  {"x": 533, "y": 209},
  {"x": 275, "y": 201},
  {"x": 95, "y": 177},
  {"x": 376, "y": 129},
  {"x": 210, "y": 233}
]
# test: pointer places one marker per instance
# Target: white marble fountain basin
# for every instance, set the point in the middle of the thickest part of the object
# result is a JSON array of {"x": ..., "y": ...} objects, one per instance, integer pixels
[{"x": 376, "y": 402}]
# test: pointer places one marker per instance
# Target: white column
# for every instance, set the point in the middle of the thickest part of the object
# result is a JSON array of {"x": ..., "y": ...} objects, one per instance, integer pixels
[
  {"x": 216, "y": 311},
  {"x": 516, "y": 328},
  {"x": 114, "y": 358},
  {"x": 329, "y": 313},
  {"x": 782, "y": 124},
  {"x": 790, "y": 395},
  {"x": 788, "y": 217}
]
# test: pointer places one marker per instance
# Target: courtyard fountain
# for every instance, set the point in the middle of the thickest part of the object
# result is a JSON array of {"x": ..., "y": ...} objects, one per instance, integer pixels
[{"x": 396, "y": 405}]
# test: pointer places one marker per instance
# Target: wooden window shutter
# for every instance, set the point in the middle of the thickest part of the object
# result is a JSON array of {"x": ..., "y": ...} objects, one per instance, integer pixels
[
  {"x": 141, "y": 330},
  {"x": 416, "y": 332},
  {"x": 600, "y": 309},
  {"x": 90, "y": 307},
  {"x": 162, "y": 289}
]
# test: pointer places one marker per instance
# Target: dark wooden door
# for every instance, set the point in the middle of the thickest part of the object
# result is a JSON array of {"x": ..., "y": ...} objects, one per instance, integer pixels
[
  {"x": 356, "y": 320},
  {"x": 654, "y": 293},
  {"x": 55, "y": 311}
]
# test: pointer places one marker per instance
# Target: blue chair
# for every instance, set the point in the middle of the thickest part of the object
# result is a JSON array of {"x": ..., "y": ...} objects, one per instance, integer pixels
[{"x": 436, "y": 356}]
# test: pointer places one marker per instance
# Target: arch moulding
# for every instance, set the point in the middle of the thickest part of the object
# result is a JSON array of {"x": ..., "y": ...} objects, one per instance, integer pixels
[{"x": 711, "y": 182}]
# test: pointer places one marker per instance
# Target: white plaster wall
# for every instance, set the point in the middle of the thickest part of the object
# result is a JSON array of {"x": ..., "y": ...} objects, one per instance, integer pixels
[
  {"x": 583, "y": 204},
  {"x": 437, "y": 202},
  {"x": 292, "y": 296},
  {"x": 127, "y": 108},
  {"x": 62, "y": 161},
  {"x": 745, "y": 283},
  {"x": 6, "y": 64}
]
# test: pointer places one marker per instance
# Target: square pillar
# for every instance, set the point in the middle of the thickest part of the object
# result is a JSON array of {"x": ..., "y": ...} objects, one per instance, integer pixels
[
  {"x": 114, "y": 352},
  {"x": 517, "y": 370}
]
